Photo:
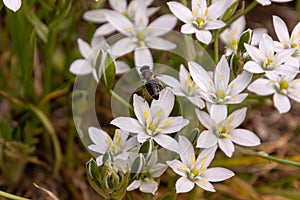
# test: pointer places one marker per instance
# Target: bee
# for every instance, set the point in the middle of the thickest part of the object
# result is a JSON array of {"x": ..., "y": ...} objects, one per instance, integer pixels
[{"x": 150, "y": 83}]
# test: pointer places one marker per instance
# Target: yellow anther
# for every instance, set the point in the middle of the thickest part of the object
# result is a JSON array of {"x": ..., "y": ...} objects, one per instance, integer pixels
[
  {"x": 193, "y": 159},
  {"x": 184, "y": 168},
  {"x": 202, "y": 170},
  {"x": 168, "y": 122},
  {"x": 203, "y": 159},
  {"x": 232, "y": 85},
  {"x": 203, "y": 181},
  {"x": 222, "y": 77},
  {"x": 159, "y": 113},
  {"x": 206, "y": 12},
  {"x": 284, "y": 85}
]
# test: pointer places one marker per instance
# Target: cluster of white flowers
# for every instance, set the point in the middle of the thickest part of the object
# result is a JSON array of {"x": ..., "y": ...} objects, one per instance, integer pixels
[{"x": 136, "y": 143}]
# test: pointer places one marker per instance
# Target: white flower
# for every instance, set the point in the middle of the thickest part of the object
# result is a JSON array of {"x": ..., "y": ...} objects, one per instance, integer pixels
[
  {"x": 120, "y": 6},
  {"x": 194, "y": 170},
  {"x": 117, "y": 149},
  {"x": 153, "y": 122},
  {"x": 140, "y": 34},
  {"x": 231, "y": 36},
  {"x": 13, "y": 5},
  {"x": 223, "y": 132},
  {"x": 185, "y": 87},
  {"x": 148, "y": 170},
  {"x": 90, "y": 54},
  {"x": 266, "y": 60},
  {"x": 217, "y": 91},
  {"x": 269, "y": 2},
  {"x": 281, "y": 86},
  {"x": 201, "y": 19},
  {"x": 285, "y": 40}
]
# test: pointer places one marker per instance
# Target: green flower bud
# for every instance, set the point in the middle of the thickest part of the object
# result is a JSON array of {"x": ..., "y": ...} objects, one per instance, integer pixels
[{"x": 106, "y": 180}]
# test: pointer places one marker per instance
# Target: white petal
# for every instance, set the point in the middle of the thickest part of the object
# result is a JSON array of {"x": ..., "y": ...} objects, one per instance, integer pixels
[
  {"x": 169, "y": 80},
  {"x": 236, "y": 118},
  {"x": 160, "y": 43},
  {"x": 99, "y": 160},
  {"x": 167, "y": 142},
  {"x": 206, "y": 139},
  {"x": 244, "y": 137},
  {"x": 281, "y": 29},
  {"x": 186, "y": 150},
  {"x": 141, "y": 19},
  {"x": 81, "y": 67},
  {"x": 204, "y": 118},
  {"x": 256, "y": 36},
  {"x": 13, "y": 5},
  {"x": 99, "y": 138},
  {"x": 97, "y": 15},
  {"x": 188, "y": 29},
  {"x": 123, "y": 47},
  {"x": 262, "y": 87},
  {"x": 84, "y": 48},
  {"x": 217, "y": 9},
  {"x": 226, "y": 146},
  {"x": 175, "y": 165},
  {"x": 240, "y": 82},
  {"x": 215, "y": 25},
  {"x": 165, "y": 101},
  {"x": 255, "y": 53},
  {"x": 200, "y": 76},
  {"x": 134, "y": 185},
  {"x": 174, "y": 124},
  {"x": 142, "y": 137},
  {"x": 204, "y": 36},
  {"x": 157, "y": 170},
  {"x": 118, "y": 5},
  {"x": 128, "y": 124},
  {"x": 264, "y": 2},
  {"x": 141, "y": 108},
  {"x": 120, "y": 22},
  {"x": 149, "y": 186},
  {"x": 180, "y": 11},
  {"x": 197, "y": 101},
  {"x": 236, "y": 99},
  {"x": 104, "y": 29},
  {"x": 281, "y": 103},
  {"x": 184, "y": 185},
  {"x": 205, "y": 185},
  {"x": 222, "y": 73},
  {"x": 217, "y": 174},
  {"x": 218, "y": 112},
  {"x": 253, "y": 67},
  {"x": 266, "y": 45},
  {"x": 142, "y": 57},
  {"x": 161, "y": 25},
  {"x": 121, "y": 67}
]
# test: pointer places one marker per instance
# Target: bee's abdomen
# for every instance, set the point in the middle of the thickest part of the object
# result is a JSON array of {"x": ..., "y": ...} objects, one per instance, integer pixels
[{"x": 152, "y": 88}]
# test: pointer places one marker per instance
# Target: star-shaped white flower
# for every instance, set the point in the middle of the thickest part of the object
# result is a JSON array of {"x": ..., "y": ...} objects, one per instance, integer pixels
[
  {"x": 266, "y": 60},
  {"x": 217, "y": 91},
  {"x": 224, "y": 132},
  {"x": 194, "y": 170},
  {"x": 201, "y": 19},
  {"x": 153, "y": 122},
  {"x": 231, "y": 36},
  {"x": 147, "y": 171},
  {"x": 117, "y": 149},
  {"x": 269, "y": 2},
  {"x": 120, "y": 6},
  {"x": 283, "y": 88},
  {"x": 185, "y": 87},
  {"x": 140, "y": 34},
  {"x": 285, "y": 40},
  {"x": 90, "y": 54},
  {"x": 13, "y": 5}
]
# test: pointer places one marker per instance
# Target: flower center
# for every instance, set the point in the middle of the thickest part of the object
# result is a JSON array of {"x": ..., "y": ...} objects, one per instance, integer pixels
[
  {"x": 190, "y": 84},
  {"x": 220, "y": 94},
  {"x": 222, "y": 132},
  {"x": 283, "y": 87}
]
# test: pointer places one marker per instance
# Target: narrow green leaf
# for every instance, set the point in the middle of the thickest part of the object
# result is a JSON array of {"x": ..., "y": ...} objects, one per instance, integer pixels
[{"x": 245, "y": 38}]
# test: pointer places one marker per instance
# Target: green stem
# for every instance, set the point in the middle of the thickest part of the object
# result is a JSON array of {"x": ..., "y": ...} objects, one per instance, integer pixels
[
  {"x": 216, "y": 46},
  {"x": 266, "y": 156},
  {"x": 11, "y": 196},
  {"x": 238, "y": 15},
  {"x": 122, "y": 101}
]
